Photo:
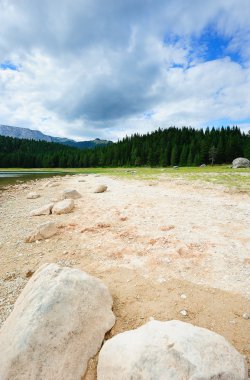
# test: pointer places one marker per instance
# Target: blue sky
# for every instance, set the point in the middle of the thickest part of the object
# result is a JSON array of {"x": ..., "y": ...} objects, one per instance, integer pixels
[{"x": 89, "y": 68}]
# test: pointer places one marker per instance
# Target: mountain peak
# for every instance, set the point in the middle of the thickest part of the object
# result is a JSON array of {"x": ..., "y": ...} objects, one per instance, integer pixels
[{"x": 30, "y": 134}]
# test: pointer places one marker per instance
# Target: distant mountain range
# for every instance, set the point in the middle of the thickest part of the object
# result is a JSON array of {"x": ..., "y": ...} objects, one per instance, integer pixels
[{"x": 30, "y": 134}]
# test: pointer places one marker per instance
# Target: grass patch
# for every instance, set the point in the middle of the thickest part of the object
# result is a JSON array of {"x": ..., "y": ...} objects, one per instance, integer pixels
[{"x": 238, "y": 179}]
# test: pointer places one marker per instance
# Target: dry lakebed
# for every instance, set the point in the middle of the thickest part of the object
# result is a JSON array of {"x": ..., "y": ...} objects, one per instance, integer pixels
[{"x": 166, "y": 249}]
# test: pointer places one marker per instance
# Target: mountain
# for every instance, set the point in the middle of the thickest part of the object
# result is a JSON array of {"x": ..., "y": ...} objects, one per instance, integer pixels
[{"x": 30, "y": 134}]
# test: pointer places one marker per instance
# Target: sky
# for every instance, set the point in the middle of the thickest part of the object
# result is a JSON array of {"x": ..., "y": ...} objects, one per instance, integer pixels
[{"x": 84, "y": 69}]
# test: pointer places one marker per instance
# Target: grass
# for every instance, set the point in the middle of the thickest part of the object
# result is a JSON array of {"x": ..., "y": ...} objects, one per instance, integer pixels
[{"x": 238, "y": 179}]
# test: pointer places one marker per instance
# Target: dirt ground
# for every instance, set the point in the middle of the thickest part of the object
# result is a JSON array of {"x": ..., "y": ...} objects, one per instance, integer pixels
[{"x": 151, "y": 242}]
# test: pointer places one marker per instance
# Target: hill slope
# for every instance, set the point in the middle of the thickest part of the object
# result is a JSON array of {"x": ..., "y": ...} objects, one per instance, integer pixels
[{"x": 30, "y": 134}]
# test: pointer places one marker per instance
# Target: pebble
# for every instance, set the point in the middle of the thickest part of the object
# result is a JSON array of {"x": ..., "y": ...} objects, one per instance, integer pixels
[
  {"x": 246, "y": 316},
  {"x": 184, "y": 313},
  {"x": 183, "y": 296}
]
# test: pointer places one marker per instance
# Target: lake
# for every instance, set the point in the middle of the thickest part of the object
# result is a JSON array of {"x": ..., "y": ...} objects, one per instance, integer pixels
[{"x": 15, "y": 177}]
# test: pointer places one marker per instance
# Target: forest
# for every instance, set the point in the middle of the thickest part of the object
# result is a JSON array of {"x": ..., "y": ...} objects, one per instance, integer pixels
[{"x": 164, "y": 147}]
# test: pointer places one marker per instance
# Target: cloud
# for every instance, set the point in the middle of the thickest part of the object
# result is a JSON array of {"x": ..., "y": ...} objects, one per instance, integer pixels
[{"x": 90, "y": 68}]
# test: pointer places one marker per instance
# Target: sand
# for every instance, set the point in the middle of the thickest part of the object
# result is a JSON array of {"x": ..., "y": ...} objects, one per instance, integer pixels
[{"x": 149, "y": 241}]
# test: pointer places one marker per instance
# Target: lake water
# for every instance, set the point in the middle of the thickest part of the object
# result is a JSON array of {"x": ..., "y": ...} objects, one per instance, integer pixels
[{"x": 12, "y": 178}]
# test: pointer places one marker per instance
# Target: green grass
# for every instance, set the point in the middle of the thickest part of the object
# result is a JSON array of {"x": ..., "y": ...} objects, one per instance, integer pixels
[{"x": 238, "y": 179}]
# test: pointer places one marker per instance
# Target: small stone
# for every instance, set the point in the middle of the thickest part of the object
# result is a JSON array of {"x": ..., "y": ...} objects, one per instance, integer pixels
[
  {"x": 33, "y": 195},
  {"x": 63, "y": 207},
  {"x": 183, "y": 296},
  {"x": 44, "y": 210},
  {"x": 71, "y": 194},
  {"x": 101, "y": 189},
  {"x": 43, "y": 231},
  {"x": 246, "y": 316},
  {"x": 184, "y": 313},
  {"x": 29, "y": 273}
]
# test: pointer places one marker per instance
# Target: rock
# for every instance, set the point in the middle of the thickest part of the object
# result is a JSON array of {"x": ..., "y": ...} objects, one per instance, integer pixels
[
  {"x": 241, "y": 163},
  {"x": 44, "y": 210},
  {"x": 101, "y": 189},
  {"x": 170, "y": 350},
  {"x": 183, "y": 296},
  {"x": 51, "y": 184},
  {"x": 71, "y": 194},
  {"x": 81, "y": 180},
  {"x": 29, "y": 273},
  {"x": 203, "y": 165},
  {"x": 184, "y": 313},
  {"x": 57, "y": 325},
  {"x": 33, "y": 195},
  {"x": 63, "y": 207},
  {"x": 246, "y": 316},
  {"x": 43, "y": 231},
  {"x": 175, "y": 167}
]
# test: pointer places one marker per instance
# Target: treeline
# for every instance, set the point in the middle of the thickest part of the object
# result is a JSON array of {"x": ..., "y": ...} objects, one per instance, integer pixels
[{"x": 168, "y": 147}]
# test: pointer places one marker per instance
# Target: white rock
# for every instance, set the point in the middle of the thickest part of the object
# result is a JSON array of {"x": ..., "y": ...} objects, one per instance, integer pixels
[
  {"x": 184, "y": 313},
  {"x": 33, "y": 195},
  {"x": 43, "y": 231},
  {"x": 241, "y": 162},
  {"x": 101, "y": 189},
  {"x": 170, "y": 350},
  {"x": 183, "y": 296},
  {"x": 71, "y": 194},
  {"x": 63, "y": 207},
  {"x": 44, "y": 210},
  {"x": 57, "y": 325},
  {"x": 246, "y": 316}
]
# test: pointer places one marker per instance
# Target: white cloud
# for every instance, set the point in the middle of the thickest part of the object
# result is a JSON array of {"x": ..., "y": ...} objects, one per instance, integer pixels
[{"x": 94, "y": 69}]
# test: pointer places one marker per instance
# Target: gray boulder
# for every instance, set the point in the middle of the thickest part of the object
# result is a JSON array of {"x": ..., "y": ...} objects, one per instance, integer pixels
[
  {"x": 241, "y": 163},
  {"x": 171, "y": 350},
  {"x": 57, "y": 325}
]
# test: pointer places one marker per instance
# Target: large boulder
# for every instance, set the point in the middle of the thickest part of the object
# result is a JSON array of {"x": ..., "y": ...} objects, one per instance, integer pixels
[
  {"x": 44, "y": 210},
  {"x": 63, "y": 207},
  {"x": 241, "y": 163},
  {"x": 71, "y": 194},
  {"x": 43, "y": 231},
  {"x": 57, "y": 325},
  {"x": 171, "y": 350}
]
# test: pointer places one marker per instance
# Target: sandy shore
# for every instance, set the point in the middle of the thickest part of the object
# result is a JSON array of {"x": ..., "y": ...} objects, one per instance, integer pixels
[{"x": 149, "y": 241}]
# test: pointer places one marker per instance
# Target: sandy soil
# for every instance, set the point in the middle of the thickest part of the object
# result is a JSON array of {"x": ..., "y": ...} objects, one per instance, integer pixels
[{"x": 149, "y": 241}]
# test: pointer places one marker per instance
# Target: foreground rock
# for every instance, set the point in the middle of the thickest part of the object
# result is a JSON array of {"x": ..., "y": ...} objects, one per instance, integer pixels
[
  {"x": 44, "y": 210},
  {"x": 43, "y": 231},
  {"x": 33, "y": 195},
  {"x": 241, "y": 163},
  {"x": 170, "y": 350},
  {"x": 57, "y": 325},
  {"x": 63, "y": 207},
  {"x": 101, "y": 189},
  {"x": 71, "y": 194}
]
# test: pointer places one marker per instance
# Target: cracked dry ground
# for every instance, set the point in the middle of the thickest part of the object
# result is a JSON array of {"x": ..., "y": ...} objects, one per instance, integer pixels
[{"x": 149, "y": 241}]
